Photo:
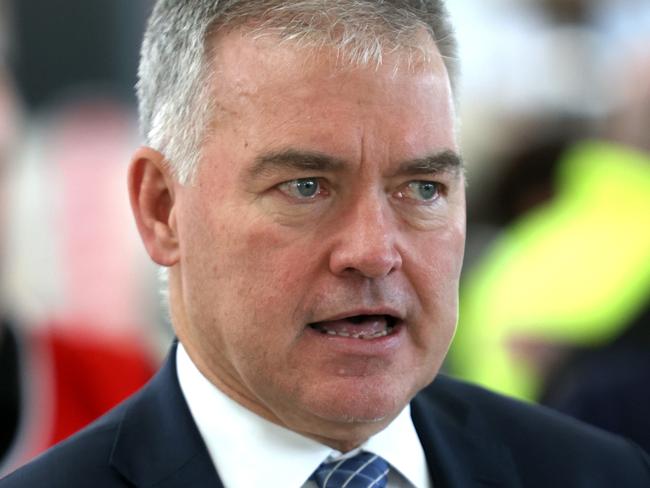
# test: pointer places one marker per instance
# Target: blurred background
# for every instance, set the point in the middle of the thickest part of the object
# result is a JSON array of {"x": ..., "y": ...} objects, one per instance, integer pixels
[{"x": 555, "y": 109}]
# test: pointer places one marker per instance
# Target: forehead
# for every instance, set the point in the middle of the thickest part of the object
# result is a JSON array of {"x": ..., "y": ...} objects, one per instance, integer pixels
[
  {"x": 264, "y": 84},
  {"x": 245, "y": 61}
]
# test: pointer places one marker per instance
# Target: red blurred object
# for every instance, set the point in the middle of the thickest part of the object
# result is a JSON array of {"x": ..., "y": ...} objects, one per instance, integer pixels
[
  {"x": 90, "y": 377},
  {"x": 67, "y": 380}
]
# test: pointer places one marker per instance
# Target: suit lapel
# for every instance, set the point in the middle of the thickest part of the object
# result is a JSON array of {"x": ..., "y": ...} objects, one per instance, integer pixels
[
  {"x": 159, "y": 445},
  {"x": 157, "y": 442},
  {"x": 460, "y": 452}
]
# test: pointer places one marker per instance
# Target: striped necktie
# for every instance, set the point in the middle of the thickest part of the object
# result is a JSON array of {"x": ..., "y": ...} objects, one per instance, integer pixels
[{"x": 365, "y": 470}]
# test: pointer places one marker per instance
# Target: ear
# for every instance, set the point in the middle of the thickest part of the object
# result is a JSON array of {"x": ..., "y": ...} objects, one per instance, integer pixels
[{"x": 151, "y": 191}]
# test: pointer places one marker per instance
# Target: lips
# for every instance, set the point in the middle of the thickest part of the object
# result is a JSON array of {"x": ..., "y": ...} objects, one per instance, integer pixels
[{"x": 364, "y": 327}]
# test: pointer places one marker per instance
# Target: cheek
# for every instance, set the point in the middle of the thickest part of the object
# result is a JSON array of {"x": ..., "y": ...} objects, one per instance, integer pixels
[
  {"x": 265, "y": 265},
  {"x": 434, "y": 272},
  {"x": 438, "y": 258},
  {"x": 285, "y": 252},
  {"x": 453, "y": 251}
]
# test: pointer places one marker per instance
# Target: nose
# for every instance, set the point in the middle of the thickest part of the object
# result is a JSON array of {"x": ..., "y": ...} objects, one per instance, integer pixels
[{"x": 366, "y": 241}]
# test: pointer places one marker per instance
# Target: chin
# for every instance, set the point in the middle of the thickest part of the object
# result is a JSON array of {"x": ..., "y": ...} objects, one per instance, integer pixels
[
  {"x": 359, "y": 402},
  {"x": 346, "y": 423}
]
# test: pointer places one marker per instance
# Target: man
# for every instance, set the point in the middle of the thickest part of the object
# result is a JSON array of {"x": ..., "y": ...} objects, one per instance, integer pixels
[{"x": 302, "y": 182}]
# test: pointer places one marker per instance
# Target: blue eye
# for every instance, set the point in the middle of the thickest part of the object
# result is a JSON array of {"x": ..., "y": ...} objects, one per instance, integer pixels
[
  {"x": 307, "y": 188},
  {"x": 424, "y": 190},
  {"x": 304, "y": 188}
]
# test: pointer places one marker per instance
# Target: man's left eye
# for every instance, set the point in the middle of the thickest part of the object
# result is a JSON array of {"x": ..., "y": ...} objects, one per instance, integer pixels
[
  {"x": 302, "y": 189},
  {"x": 424, "y": 191}
]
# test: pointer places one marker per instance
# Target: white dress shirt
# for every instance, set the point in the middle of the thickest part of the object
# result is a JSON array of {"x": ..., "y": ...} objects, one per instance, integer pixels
[{"x": 247, "y": 450}]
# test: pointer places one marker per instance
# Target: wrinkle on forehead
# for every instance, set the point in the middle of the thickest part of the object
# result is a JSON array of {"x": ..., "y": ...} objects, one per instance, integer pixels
[{"x": 232, "y": 85}]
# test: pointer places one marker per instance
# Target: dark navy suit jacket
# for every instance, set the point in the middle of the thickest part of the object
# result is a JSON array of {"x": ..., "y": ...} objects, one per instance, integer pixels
[{"x": 472, "y": 438}]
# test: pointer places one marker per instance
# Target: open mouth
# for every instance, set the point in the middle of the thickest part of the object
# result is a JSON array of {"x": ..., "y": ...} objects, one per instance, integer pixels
[{"x": 358, "y": 326}]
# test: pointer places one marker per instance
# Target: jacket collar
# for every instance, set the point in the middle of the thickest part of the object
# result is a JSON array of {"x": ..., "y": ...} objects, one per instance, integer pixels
[
  {"x": 157, "y": 442},
  {"x": 460, "y": 452}
]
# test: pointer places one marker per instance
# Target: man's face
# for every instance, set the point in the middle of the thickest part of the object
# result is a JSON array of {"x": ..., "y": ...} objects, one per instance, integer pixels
[{"x": 322, "y": 241}]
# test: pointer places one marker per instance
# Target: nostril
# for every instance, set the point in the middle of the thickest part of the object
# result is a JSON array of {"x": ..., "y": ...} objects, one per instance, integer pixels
[
  {"x": 367, "y": 262},
  {"x": 368, "y": 249}
]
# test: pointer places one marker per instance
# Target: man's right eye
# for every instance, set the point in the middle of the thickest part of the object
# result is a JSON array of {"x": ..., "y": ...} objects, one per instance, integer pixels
[{"x": 303, "y": 188}]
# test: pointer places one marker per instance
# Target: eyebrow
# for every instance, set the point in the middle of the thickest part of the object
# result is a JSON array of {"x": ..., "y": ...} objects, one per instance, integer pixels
[
  {"x": 443, "y": 162},
  {"x": 446, "y": 161},
  {"x": 296, "y": 160}
]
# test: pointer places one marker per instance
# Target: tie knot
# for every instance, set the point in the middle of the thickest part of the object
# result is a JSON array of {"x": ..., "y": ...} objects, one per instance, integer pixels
[{"x": 365, "y": 470}]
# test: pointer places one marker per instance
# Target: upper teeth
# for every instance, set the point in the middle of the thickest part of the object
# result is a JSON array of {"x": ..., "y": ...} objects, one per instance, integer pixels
[{"x": 356, "y": 336}]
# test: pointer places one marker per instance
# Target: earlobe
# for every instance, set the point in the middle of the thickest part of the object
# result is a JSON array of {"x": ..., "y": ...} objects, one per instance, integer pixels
[{"x": 151, "y": 191}]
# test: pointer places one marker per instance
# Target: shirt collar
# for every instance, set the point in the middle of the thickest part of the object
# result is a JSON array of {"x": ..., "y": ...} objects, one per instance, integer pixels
[
  {"x": 400, "y": 445},
  {"x": 248, "y": 450}
]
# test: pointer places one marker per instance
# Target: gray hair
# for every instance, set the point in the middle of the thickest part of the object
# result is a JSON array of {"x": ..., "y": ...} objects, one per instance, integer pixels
[{"x": 174, "y": 89}]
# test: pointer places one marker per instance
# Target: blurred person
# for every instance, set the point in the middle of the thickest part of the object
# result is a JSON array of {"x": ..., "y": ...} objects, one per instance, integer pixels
[
  {"x": 553, "y": 311},
  {"x": 66, "y": 179},
  {"x": 56, "y": 374},
  {"x": 304, "y": 186},
  {"x": 571, "y": 271},
  {"x": 606, "y": 384},
  {"x": 53, "y": 379},
  {"x": 557, "y": 299},
  {"x": 8, "y": 122}
]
